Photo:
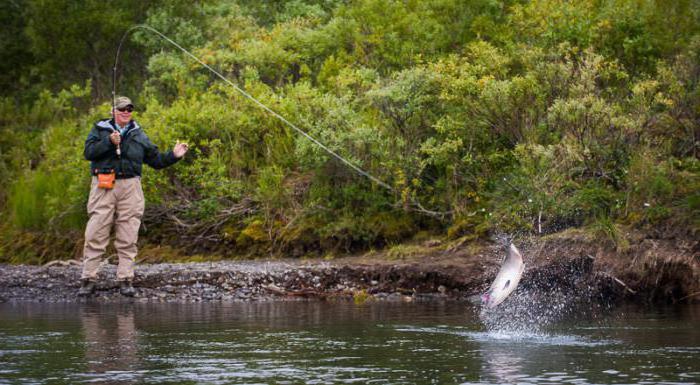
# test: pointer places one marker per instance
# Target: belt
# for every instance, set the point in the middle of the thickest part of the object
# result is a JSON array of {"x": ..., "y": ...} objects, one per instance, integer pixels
[
  {"x": 121, "y": 175},
  {"x": 118, "y": 175}
]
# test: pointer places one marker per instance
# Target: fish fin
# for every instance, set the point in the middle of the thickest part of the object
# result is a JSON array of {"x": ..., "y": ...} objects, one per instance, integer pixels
[{"x": 507, "y": 284}]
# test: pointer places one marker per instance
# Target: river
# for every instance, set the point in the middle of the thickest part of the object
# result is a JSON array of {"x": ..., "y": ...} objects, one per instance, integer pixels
[{"x": 340, "y": 343}]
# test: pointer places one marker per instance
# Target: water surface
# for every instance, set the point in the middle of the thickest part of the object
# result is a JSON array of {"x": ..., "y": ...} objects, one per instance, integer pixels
[{"x": 339, "y": 343}]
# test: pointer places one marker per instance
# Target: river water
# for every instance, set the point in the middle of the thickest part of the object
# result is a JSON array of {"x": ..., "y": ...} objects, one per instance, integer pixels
[{"x": 340, "y": 343}]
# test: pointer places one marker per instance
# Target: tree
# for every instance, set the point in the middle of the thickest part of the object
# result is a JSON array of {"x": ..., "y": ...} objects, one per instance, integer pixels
[{"x": 75, "y": 40}]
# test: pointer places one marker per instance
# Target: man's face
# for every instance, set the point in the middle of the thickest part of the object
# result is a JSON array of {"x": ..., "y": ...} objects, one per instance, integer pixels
[{"x": 123, "y": 115}]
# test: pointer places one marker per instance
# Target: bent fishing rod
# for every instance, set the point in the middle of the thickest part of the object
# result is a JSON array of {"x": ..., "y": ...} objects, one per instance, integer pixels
[{"x": 356, "y": 168}]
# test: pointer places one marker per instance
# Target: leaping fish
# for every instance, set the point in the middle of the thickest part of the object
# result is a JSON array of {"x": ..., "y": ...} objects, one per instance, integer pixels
[{"x": 506, "y": 280}]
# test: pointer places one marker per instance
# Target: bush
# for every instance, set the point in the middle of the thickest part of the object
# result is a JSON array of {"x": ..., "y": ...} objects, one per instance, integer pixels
[{"x": 480, "y": 117}]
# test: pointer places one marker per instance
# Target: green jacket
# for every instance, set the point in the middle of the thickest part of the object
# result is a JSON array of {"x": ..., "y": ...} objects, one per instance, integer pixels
[{"x": 136, "y": 149}]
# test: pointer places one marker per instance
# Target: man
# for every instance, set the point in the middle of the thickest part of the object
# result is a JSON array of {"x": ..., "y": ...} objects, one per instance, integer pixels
[{"x": 117, "y": 148}]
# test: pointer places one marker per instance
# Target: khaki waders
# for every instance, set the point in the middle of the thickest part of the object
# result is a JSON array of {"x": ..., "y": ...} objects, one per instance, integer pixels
[{"x": 122, "y": 207}]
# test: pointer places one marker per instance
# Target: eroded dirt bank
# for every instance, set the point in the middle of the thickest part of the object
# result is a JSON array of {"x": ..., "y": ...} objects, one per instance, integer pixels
[{"x": 655, "y": 270}]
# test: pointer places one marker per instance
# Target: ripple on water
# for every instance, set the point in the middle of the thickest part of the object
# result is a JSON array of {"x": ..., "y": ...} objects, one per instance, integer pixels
[
  {"x": 9, "y": 352},
  {"x": 511, "y": 336}
]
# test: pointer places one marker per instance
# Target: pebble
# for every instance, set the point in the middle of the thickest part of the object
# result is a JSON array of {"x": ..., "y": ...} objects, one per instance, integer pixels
[{"x": 232, "y": 281}]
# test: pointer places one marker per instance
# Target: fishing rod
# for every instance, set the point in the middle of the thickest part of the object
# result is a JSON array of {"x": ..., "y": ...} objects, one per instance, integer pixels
[
  {"x": 264, "y": 107},
  {"x": 114, "y": 103}
]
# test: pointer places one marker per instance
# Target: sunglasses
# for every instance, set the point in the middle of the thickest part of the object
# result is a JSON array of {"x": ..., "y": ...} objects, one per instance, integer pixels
[{"x": 126, "y": 109}]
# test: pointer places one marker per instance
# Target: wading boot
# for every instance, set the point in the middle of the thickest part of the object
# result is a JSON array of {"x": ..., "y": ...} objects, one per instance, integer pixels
[
  {"x": 127, "y": 289},
  {"x": 87, "y": 288}
]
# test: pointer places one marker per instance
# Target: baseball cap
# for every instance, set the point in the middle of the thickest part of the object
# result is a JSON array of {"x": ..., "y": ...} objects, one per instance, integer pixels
[{"x": 123, "y": 102}]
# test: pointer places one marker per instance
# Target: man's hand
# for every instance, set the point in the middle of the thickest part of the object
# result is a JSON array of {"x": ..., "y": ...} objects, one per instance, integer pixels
[
  {"x": 180, "y": 149},
  {"x": 115, "y": 138}
]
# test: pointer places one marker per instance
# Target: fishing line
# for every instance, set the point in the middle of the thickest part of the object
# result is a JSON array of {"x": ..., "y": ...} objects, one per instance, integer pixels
[{"x": 259, "y": 104}]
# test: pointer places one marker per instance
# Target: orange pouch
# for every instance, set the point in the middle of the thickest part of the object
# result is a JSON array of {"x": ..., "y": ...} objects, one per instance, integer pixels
[{"x": 105, "y": 181}]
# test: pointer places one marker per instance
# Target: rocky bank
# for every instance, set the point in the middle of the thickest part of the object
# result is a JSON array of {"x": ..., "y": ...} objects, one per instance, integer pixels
[{"x": 652, "y": 270}]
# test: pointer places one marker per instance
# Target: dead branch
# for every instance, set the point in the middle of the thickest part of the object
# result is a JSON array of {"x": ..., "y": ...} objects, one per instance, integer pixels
[
  {"x": 690, "y": 295},
  {"x": 618, "y": 281},
  {"x": 306, "y": 292},
  {"x": 59, "y": 262}
]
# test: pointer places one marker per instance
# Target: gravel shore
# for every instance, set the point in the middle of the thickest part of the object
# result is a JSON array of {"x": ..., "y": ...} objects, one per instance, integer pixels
[
  {"x": 659, "y": 270},
  {"x": 244, "y": 281}
]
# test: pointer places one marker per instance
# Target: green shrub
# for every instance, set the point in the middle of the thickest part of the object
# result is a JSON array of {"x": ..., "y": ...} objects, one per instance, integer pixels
[
  {"x": 594, "y": 200},
  {"x": 605, "y": 229},
  {"x": 482, "y": 117}
]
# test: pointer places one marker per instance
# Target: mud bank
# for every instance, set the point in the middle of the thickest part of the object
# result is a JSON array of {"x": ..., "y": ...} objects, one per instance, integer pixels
[{"x": 649, "y": 270}]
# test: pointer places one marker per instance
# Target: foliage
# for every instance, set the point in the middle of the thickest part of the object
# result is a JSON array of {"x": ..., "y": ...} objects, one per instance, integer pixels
[{"x": 482, "y": 117}]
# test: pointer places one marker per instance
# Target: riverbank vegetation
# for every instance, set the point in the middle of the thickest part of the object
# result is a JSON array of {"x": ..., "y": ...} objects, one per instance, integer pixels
[{"x": 484, "y": 117}]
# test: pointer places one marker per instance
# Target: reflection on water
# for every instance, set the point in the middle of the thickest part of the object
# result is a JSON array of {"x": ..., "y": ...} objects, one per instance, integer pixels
[
  {"x": 329, "y": 343},
  {"x": 502, "y": 365},
  {"x": 111, "y": 343}
]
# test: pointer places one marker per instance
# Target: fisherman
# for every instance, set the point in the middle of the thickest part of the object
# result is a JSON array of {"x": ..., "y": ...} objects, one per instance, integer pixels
[{"x": 117, "y": 148}]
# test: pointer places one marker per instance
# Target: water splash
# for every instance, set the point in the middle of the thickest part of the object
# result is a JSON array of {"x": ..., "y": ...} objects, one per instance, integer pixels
[
  {"x": 525, "y": 312},
  {"x": 537, "y": 306}
]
